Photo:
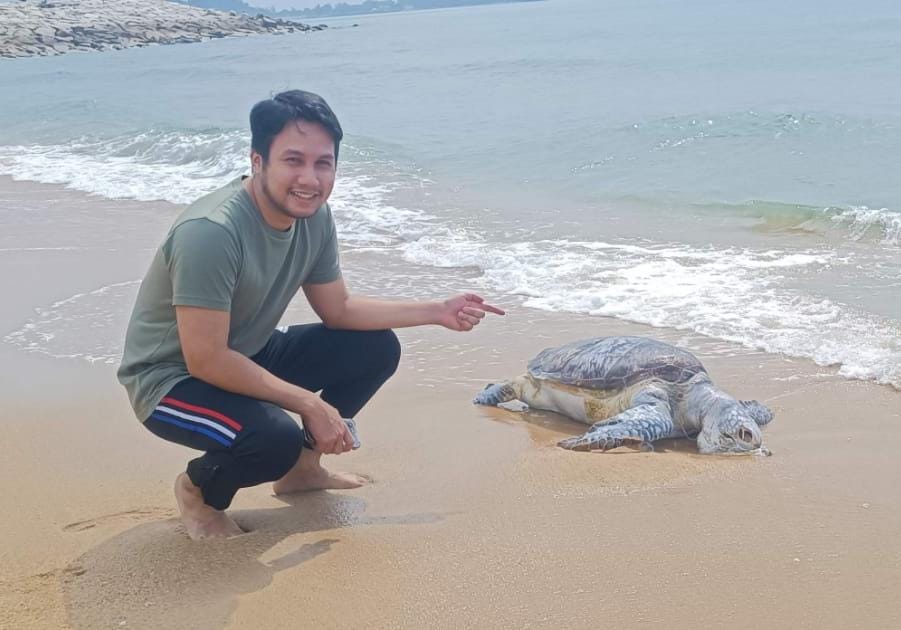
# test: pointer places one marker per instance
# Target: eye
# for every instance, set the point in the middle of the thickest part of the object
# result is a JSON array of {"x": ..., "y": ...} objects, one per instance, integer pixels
[{"x": 745, "y": 435}]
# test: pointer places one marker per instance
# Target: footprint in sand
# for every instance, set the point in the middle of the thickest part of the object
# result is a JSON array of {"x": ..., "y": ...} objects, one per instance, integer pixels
[{"x": 128, "y": 515}]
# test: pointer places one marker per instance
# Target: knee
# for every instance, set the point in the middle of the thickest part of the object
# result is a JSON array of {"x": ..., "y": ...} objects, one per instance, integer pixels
[
  {"x": 283, "y": 443},
  {"x": 377, "y": 352},
  {"x": 386, "y": 347}
]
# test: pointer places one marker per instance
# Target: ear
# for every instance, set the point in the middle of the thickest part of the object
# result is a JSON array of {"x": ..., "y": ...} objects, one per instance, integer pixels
[
  {"x": 256, "y": 162},
  {"x": 760, "y": 413}
]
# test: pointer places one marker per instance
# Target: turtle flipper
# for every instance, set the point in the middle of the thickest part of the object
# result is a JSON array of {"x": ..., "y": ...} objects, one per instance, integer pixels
[{"x": 639, "y": 425}]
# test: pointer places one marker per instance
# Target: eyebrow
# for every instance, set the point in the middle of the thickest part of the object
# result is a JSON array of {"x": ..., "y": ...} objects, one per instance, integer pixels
[{"x": 295, "y": 152}]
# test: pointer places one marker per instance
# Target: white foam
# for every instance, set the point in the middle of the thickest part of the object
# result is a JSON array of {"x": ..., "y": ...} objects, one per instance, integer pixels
[
  {"x": 861, "y": 220},
  {"x": 88, "y": 326},
  {"x": 853, "y": 223},
  {"x": 156, "y": 165},
  {"x": 737, "y": 295},
  {"x": 366, "y": 218},
  {"x": 181, "y": 166}
]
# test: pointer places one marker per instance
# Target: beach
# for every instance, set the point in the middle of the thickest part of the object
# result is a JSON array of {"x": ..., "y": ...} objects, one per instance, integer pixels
[
  {"x": 473, "y": 519},
  {"x": 710, "y": 175}
]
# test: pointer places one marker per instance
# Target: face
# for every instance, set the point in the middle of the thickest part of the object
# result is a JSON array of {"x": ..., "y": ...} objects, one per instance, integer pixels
[
  {"x": 731, "y": 432},
  {"x": 494, "y": 394},
  {"x": 299, "y": 175}
]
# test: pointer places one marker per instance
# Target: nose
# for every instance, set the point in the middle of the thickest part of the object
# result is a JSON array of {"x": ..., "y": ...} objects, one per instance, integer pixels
[{"x": 306, "y": 177}]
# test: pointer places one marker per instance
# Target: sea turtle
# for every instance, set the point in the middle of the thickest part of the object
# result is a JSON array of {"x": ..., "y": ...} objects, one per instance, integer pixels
[{"x": 634, "y": 390}]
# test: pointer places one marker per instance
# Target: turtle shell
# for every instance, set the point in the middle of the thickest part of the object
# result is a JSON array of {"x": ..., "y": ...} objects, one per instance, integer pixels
[{"x": 613, "y": 363}]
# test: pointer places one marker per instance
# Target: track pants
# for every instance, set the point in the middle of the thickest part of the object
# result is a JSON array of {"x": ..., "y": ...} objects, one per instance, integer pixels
[{"x": 248, "y": 441}]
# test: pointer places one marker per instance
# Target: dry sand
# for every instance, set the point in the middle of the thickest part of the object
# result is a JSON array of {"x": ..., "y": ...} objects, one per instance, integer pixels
[{"x": 474, "y": 519}]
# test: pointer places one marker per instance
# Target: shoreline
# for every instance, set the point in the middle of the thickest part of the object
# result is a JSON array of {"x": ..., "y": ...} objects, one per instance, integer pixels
[
  {"x": 159, "y": 212},
  {"x": 34, "y": 28}
]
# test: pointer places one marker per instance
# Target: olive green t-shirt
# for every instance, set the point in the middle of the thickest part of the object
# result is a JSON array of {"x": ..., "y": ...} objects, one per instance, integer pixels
[{"x": 220, "y": 254}]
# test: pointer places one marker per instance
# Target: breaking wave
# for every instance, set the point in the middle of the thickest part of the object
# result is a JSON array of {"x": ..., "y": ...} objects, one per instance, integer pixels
[{"x": 743, "y": 295}]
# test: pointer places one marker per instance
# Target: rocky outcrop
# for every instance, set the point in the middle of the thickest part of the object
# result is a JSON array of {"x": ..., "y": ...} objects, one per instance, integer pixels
[{"x": 54, "y": 27}]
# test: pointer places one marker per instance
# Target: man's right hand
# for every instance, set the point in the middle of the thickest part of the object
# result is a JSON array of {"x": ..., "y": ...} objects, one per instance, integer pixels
[{"x": 325, "y": 426}]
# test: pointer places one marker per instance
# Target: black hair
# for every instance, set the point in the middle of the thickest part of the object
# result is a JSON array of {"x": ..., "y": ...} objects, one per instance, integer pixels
[{"x": 269, "y": 117}]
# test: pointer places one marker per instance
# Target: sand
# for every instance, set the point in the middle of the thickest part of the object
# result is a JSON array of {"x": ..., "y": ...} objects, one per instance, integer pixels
[{"x": 474, "y": 518}]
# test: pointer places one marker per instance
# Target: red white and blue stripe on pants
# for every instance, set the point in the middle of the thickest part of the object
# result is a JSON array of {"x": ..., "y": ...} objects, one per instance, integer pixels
[{"x": 208, "y": 422}]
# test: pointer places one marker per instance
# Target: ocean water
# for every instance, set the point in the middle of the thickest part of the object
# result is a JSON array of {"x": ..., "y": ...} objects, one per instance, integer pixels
[{"x": 719, "y": 167}]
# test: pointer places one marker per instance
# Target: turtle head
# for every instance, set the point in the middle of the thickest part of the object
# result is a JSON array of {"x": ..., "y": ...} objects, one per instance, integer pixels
[
  {"x": 495, "y": 393},
  {"x": 734, "y": 428}
]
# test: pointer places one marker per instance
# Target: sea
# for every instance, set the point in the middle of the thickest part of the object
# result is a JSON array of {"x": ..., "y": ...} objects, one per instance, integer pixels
[{"x": 715, "y": 166}]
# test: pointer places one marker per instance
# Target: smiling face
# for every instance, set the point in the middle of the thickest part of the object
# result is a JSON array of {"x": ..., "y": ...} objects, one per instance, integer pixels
[{"x": 298, "y": 176}]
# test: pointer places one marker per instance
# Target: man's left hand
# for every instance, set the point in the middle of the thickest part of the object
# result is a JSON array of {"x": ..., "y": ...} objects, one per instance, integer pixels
[{"x": 463, "y": 312}]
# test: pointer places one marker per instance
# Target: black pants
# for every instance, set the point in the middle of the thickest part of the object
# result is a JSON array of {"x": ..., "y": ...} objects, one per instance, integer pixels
[{"x": 249, "y": 441}]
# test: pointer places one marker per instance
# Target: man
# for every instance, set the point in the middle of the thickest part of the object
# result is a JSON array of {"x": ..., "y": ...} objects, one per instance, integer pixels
[{"x": 204, "y": 365}]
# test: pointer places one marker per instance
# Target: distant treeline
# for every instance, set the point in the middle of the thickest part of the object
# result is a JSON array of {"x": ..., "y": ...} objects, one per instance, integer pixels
[{"x": 341, "y": 8}]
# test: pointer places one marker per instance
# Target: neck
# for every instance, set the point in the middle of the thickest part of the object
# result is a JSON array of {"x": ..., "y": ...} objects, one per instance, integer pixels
[
  {"x": 525, "y": 387},
  {"x": 270, "y": 213},
  {"x": 703, "y": 399}
]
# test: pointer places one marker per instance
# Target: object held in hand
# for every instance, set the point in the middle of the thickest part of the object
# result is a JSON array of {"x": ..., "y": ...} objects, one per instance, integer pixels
[{"x": 352, "y": 427}]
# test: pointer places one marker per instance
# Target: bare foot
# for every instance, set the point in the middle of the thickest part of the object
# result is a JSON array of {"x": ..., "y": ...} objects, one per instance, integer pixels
[
  {"x": 200, "y": 519},
  {"x": 308, "y": 474}
]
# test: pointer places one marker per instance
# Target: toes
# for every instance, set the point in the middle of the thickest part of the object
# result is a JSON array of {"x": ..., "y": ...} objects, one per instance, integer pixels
[{"x": 352, "y": 481}]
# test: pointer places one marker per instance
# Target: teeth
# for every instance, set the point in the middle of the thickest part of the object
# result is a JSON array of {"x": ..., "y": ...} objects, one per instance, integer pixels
[{"x": 304, "y": 195}]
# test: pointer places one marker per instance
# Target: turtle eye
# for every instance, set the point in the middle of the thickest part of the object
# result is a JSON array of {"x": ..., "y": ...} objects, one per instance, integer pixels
[{"x": 745, "y": 435}]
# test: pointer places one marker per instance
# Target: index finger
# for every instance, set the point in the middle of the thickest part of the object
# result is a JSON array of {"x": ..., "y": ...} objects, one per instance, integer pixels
[
  {"x": 472, "y": 297},
  {"x": 491, "y": 309}
]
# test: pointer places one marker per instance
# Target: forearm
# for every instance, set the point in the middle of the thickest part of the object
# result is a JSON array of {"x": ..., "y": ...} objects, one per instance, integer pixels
[
  {"x": 362, "y": 313},
  {"x": 234, "y": 372}
]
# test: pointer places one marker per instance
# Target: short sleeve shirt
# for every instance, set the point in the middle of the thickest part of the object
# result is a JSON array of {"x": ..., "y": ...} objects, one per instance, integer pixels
[{"x": 220, "y": 254}]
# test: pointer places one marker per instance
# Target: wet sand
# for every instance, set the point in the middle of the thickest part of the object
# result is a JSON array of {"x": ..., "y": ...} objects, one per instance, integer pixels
[{"x": 473, "y": 520}]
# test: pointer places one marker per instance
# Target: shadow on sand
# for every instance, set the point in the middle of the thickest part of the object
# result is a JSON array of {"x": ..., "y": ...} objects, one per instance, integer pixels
[{"x": 154, "y": 572}]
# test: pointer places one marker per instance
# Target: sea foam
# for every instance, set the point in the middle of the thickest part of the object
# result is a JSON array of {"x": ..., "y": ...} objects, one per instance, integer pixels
[{"x": 742, "y": 295}]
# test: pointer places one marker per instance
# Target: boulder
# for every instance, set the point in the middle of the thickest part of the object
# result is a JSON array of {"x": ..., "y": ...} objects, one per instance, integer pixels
[{"x": 40, "y": 27}]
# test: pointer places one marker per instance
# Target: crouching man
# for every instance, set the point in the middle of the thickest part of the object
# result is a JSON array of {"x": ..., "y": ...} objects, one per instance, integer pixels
[{"x": 204, "y": 364}]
